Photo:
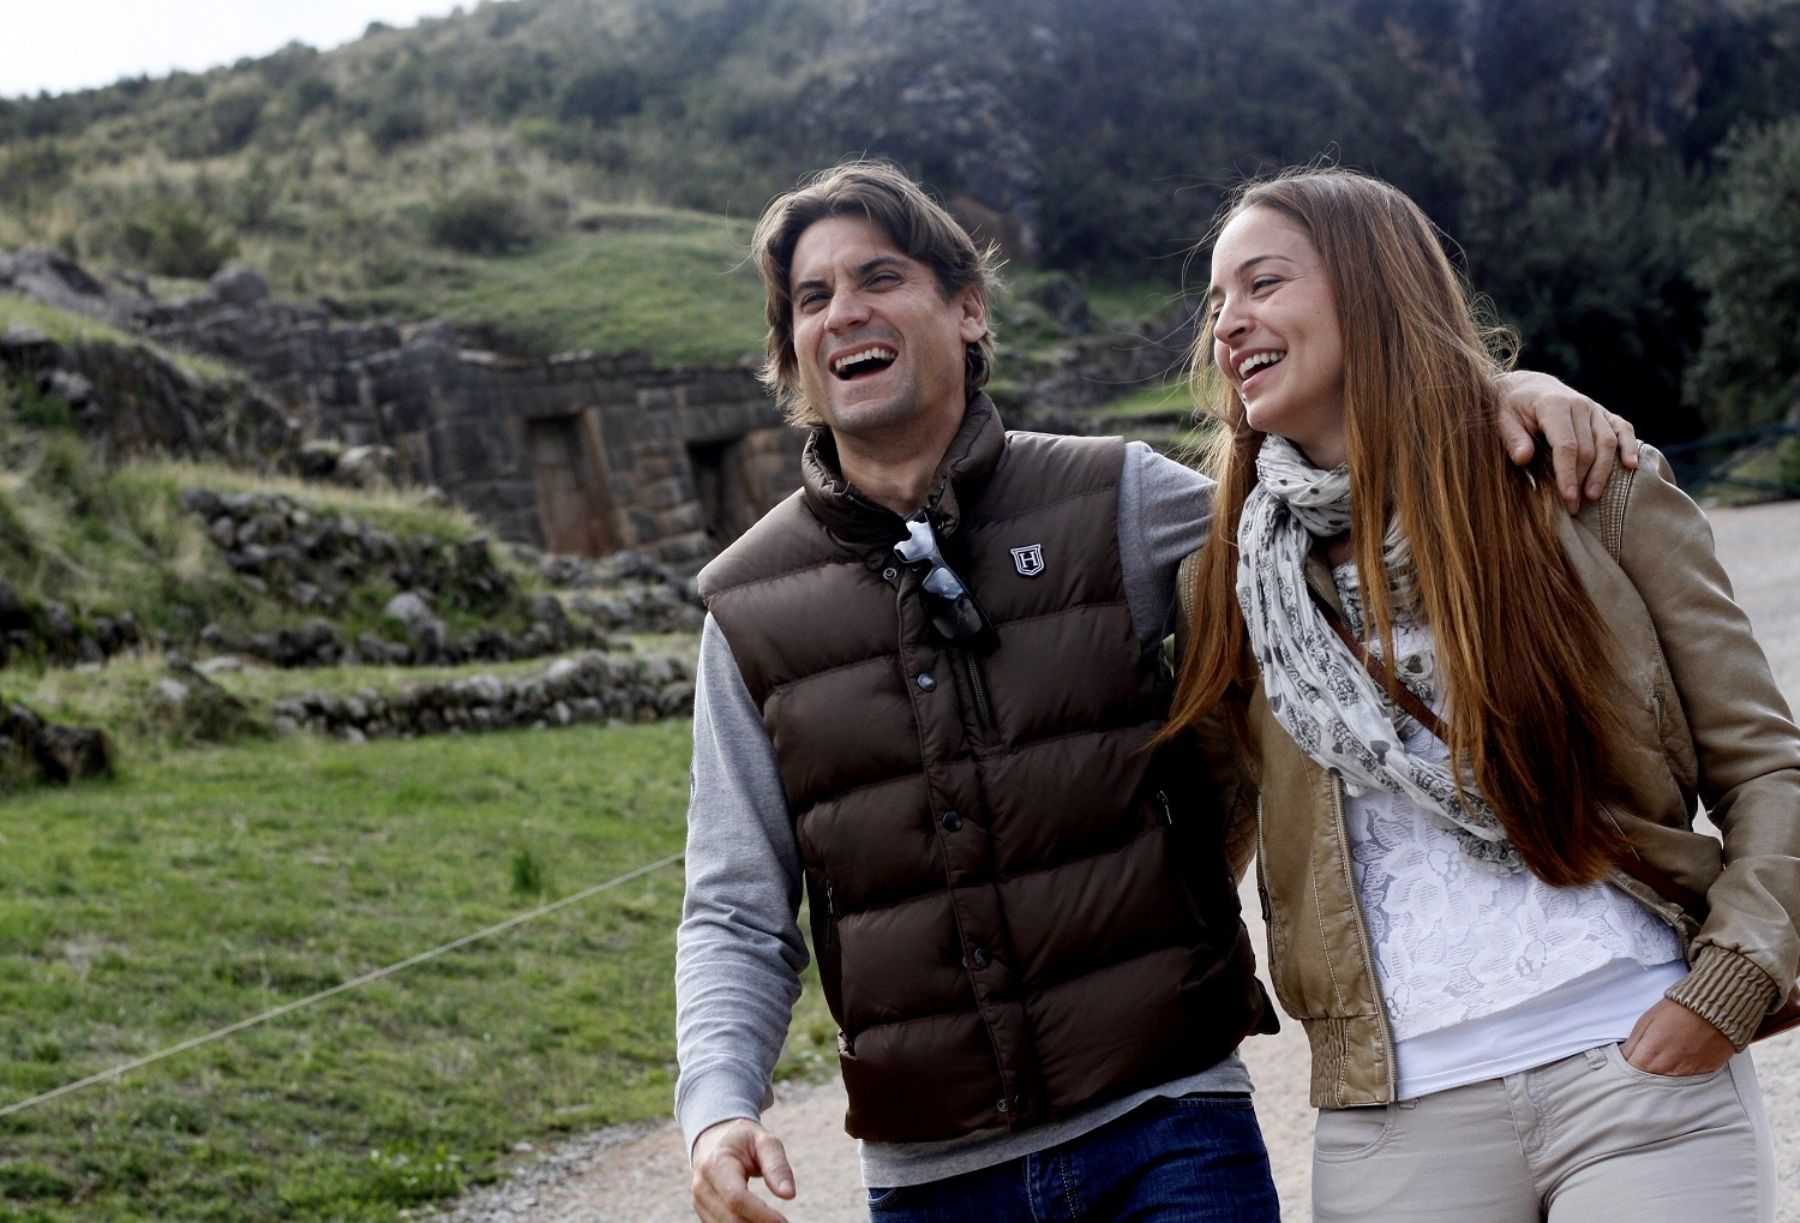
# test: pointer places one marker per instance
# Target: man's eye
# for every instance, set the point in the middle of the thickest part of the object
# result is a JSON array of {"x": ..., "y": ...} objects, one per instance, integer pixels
[{"x": 811, "y": 301}]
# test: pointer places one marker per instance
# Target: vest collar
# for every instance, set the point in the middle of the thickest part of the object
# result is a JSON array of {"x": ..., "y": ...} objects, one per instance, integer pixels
[{"x": 968, "y": 461}]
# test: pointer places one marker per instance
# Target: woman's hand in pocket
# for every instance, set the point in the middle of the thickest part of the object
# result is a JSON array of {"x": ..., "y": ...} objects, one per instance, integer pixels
[{"x": 1669, "y": 1039}]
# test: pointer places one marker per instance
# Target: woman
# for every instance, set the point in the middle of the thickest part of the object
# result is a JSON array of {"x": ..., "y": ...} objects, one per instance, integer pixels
[{"x": 1504, "y": 1024}]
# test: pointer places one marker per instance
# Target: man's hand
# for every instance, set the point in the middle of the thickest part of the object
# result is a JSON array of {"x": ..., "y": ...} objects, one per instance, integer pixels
[
  {"x": 1585, "y": 440},
  {"x": 1670, "y": 1039},
  {"x": 726, "y": 1157}
]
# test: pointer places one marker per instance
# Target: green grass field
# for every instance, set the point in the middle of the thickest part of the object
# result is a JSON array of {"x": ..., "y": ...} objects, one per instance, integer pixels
[
  {"x": 208, "y": 886},
  {"x": 617, "y": 286}
]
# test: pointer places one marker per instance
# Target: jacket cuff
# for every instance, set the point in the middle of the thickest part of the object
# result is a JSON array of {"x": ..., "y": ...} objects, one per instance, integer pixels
[{"x": 1728, "y": 991}]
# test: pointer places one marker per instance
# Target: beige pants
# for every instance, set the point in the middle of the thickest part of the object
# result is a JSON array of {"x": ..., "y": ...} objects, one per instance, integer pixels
[{"x": 1588, "y": 1139}]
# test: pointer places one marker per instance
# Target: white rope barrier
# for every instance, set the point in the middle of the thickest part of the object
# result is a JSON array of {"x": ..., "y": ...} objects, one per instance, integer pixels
[{"x": 366, "y": 978}]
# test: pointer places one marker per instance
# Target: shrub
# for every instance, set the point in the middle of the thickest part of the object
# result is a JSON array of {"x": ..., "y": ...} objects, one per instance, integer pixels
[
  {"x": 398, "y": 123},
  {"x": 233, "y": 117},
  {"x": 39, "y": 165},
  {"x": 479, "y": 222},
  {"x": 174, "y": 238},
  {"x": 313, "y": 93},
  {"x": 603, "y": 95}
]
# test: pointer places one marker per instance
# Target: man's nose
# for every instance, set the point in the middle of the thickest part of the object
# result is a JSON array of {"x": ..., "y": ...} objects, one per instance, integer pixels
[{"x": 846, "y": 310}]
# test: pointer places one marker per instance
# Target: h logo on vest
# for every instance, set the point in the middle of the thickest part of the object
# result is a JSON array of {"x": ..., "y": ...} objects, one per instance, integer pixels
[{"x": 1029, "y": 561}]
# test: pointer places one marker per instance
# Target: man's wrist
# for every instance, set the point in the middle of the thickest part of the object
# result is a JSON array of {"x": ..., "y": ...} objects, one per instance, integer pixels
[{"x": 714, "y": 1128}]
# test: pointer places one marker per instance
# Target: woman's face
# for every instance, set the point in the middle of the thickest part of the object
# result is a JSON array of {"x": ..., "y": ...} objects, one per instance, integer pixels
[{"x": 1276, "y": 333}]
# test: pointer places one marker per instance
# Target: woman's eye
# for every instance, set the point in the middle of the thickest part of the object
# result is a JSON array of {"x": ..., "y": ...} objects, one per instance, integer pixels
[{"x": 1264, "y": 282}]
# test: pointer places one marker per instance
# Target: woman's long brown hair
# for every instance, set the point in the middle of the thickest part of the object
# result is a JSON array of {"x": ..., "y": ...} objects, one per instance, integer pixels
[{"x": 1526, "y": 658}]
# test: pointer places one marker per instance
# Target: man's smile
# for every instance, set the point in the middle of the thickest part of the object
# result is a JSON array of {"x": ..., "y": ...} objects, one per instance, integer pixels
[{"x": 867, "y": 359}]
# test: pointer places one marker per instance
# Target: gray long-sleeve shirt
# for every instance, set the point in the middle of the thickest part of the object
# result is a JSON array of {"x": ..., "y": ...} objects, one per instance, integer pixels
[{"x": 739, "y": 952}]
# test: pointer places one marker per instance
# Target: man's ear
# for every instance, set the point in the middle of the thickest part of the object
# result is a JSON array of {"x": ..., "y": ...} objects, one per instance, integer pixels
[{"x": 972, "y": 326}]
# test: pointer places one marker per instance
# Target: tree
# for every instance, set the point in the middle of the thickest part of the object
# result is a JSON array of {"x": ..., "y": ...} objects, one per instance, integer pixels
[{"x": 1749, "y": 264}]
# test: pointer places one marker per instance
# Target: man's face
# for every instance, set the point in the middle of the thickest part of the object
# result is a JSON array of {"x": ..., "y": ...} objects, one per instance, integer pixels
[{"x": 877, "y": 346}]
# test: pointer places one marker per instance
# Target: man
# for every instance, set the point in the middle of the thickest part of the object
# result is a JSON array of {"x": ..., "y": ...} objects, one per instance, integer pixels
[{"x": 927, "y": 685}]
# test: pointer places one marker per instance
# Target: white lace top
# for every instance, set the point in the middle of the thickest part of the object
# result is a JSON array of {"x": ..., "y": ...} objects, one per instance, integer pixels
[{"x": 1454, "y": 941}]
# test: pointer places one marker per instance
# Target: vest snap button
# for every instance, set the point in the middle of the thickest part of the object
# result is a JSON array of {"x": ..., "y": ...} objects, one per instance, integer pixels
[
  {"x": 1019, "y": 1103},
  {"x": 978, "y": 958},
  {"x": 926, "y": 683},
  {"x": 1001, "y": 1106},
  {"x": 952, "y": 821},
  {"x": 889, "y": 574}
]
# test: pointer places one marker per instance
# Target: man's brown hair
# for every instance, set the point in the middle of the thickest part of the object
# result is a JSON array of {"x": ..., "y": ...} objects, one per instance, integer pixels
[{"x": 878, "y": 192}]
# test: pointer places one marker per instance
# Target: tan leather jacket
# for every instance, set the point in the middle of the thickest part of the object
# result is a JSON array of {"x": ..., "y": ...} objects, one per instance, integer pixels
[{"x": 1706, "y": 723}]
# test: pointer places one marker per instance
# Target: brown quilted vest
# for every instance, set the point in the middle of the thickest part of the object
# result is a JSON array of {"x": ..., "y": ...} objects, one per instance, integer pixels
[{"x": 1015, "y": 910}]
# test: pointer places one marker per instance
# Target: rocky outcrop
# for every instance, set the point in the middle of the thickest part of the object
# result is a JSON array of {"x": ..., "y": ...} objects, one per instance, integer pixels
[
  {"x": 134, "y": 400},
  {"x": 57, "y": 280},
  {"x": 318, "y": 562},
  {"x": 48, "y": 631},
  {"x": 594, "y": 687},
  {"x": 33, "y": 747},
  {"x": 310, "y": 558}
]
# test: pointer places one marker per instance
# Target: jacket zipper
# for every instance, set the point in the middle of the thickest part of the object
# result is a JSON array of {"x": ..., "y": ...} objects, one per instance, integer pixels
[
  {"x": 830, "y": 917},
  {"x": 1262, "y": 881},
  {"x": 1362, "y": 932}
]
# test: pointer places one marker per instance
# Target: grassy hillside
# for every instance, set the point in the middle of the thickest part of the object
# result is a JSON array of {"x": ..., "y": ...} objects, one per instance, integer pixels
[{"x": 670, "y": 283}]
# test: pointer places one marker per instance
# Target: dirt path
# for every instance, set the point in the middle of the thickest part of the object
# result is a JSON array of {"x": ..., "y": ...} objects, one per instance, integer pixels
[{"x": 639, "y": 1175}]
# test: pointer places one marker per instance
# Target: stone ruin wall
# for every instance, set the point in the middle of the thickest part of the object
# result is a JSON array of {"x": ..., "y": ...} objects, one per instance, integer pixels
[
  {"x": 580, "y": 453},
  {"x": 575, "y": 453}
]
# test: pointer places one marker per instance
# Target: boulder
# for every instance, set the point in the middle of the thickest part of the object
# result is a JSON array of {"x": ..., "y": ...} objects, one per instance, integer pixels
[
  {"x": 369, "y": 466},
  {"x": 238, "y": 285},
  {"x": 409, "y": 607},
  {"x": 69, "y": 753}
]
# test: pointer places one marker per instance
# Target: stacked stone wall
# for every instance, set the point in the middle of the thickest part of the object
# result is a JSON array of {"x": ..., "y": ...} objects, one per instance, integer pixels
[{"x": 451, "y": 416}]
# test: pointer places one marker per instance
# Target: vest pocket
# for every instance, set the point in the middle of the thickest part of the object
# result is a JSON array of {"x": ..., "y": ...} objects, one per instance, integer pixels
[{"x": 826, "y": 952}]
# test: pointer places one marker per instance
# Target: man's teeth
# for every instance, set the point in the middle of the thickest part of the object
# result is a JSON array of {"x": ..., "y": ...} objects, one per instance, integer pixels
[
  {"x": 1251, "y": 364},
  {"x": 843, "y": 364}
]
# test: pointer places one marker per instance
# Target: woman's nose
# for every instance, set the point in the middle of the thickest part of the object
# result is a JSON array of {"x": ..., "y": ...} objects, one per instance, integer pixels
[{"x": 1231, "y": 322}]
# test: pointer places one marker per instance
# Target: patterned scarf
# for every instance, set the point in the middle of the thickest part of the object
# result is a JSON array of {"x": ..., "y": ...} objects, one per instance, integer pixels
[{"x": 1317, "y": 689}]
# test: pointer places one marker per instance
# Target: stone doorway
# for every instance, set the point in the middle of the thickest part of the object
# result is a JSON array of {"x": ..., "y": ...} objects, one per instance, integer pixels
[
  {"x": 728, "y": 505},
  {"x": 574, "y": 506}
]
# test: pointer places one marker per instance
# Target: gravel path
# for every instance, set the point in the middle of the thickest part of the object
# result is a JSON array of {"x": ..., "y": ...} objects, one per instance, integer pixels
[{"x": 639, "y": 1174}]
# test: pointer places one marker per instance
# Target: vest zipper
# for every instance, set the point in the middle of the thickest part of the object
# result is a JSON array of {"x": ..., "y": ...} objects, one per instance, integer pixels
[
  {"x": 984, "y": 713},
  {"x": 830, "y": 917}
]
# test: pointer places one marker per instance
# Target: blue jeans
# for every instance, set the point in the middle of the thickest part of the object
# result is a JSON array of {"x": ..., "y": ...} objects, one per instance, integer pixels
[{"x": 1199, "y": 1157}]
